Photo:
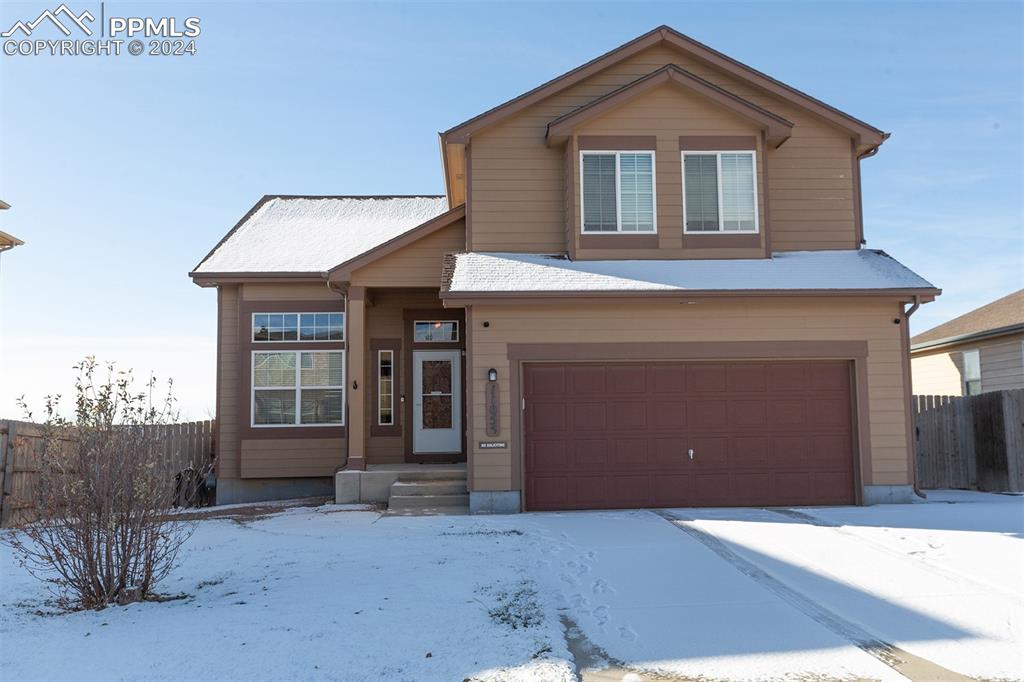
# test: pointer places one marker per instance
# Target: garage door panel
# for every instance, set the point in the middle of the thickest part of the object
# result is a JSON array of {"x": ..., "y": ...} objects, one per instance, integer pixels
[
  {"x": 617, "y": 435},
  {"x": 589, "y": 417}
]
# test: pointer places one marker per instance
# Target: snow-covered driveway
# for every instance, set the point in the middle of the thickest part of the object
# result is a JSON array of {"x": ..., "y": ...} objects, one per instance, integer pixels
[{"x": 320, "y": 593}]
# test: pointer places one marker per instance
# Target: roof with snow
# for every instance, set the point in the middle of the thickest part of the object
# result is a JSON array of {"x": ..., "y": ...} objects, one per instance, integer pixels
[
  {"x": 312, "y": 234},
  {"x": 511, "y": 273}
]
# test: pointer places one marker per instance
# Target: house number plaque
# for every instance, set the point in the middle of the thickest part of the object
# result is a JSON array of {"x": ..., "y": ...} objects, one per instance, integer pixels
[{"x": 491, "y": 405}]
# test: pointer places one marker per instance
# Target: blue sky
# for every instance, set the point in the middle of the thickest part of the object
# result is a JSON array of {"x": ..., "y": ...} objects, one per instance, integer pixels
[{"x": 124, "y": 171}]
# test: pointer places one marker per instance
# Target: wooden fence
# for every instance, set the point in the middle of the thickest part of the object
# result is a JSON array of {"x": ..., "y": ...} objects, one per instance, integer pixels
[
  {"x": 971, "y": 442},
  {"x": 21, "y": 448}
]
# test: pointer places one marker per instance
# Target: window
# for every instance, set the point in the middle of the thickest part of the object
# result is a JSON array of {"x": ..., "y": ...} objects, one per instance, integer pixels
[
  {"x": 298, "y": 327},
  {"x": 298, "y": 388},
  {"x": 385, "y": 387},
  {"x": 972, "y": 372},
  {"x": 719, "y": 192},
  {"x": 617, "y": 191},
  {"x": 435, "y": 331}
]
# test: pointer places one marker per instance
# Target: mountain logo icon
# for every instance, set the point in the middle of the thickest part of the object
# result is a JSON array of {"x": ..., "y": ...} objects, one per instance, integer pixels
[{"x": 53, "y": 16}]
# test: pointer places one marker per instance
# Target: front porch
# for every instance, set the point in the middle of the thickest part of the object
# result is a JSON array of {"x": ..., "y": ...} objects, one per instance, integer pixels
[{"x": 406, "y": 488}]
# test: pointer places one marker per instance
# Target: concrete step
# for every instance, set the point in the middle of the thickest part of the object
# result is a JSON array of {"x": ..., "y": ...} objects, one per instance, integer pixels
[
  {"x": 440, "y": 486},
  {"x": 431, "y": 473},
  {"x": 422, "y": 501},
  {"x": 430, "y": 511}
]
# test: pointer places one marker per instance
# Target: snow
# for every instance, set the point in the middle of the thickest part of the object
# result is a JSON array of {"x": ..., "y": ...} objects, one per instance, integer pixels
[
  {"x": 328, "y": 593},
  {"x": 791, "y": 270},
  {"x": 314, "y": 234}
]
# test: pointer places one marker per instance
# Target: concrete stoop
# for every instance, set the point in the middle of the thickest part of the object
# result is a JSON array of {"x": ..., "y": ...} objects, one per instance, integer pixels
[{"x": 429, "y": 496}]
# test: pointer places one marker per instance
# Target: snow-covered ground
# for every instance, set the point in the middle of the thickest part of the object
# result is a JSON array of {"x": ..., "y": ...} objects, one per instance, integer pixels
[{"x": 334, "y": 593}]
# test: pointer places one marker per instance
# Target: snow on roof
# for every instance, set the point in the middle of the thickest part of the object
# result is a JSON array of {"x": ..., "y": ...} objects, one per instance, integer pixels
[
  {"x": 787, "y": 271},
  {"x": 314, "y": 234}
]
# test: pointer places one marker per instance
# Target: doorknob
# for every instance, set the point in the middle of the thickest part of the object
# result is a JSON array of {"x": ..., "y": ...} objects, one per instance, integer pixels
[{"x": 690, "y": 453}]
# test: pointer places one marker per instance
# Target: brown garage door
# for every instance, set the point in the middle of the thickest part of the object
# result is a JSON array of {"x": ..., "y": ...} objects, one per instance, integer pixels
[{"x": 616, "y": 436}]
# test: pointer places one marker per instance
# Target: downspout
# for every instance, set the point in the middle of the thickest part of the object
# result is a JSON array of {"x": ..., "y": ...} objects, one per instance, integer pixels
[
  {"x": 342, "y": 292},
  {"x": 909, "y": 392}
]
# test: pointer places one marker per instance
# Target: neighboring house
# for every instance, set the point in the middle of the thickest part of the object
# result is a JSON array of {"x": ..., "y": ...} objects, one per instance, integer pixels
[
  {"x": 7, "y": 241},
  {"x": 980, "y": 351},
  {"x": 645, "y": 286}
]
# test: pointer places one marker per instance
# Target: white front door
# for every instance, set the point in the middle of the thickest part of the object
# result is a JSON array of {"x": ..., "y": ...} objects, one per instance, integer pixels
[{"x": 437, "y": 401}]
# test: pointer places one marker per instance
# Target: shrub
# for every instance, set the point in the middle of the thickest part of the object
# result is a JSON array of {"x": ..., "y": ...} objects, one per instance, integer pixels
[{"x": 105, "y": 532}]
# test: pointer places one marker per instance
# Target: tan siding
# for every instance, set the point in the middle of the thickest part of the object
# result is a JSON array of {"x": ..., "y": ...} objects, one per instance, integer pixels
[
  {"x": 288, "y": 292},
  {"x": 291, "y": 457},
  {"x": 941, "y": 372},
  {"x": 416, "y": 265},
  {"x": 512, "y": 166},
  {"x": 777, "y": 320},
  {"x": 227, "y": 382}
]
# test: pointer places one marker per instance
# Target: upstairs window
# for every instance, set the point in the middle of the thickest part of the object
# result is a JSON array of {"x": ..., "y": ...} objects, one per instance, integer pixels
[
  {"x": 720, "y": 191},
  {"x": 972, "y": 372},
  {"x": 617, "y": 191},
  {"x": 298, "y": 327}
]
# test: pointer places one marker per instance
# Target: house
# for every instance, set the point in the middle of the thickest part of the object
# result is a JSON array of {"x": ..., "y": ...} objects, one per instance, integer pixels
[
  {"x": 980, "y": 351},
  {"x": 645, "y": 286},
  {"x": 7, "y": 241}
]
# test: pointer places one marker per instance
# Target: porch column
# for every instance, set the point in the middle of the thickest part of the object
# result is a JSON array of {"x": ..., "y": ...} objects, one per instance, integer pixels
[{"x": 355, "y": 390}]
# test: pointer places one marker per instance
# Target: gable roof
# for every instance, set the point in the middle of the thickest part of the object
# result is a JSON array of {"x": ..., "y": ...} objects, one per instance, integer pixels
[
  {"x": 308, "y": 235},
  {"x": 862, "y": 272},
  {"x": 1002, "y": 316},
  {"x": 777, "y": 128},
  {"x": 866, "y": 134}
]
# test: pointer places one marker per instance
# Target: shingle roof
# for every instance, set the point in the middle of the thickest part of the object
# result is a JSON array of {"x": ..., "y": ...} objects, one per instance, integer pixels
[
  {"x": 1004, "y": 313},
  {"x": 312, "y": 234},
  {"x": 498, "y": 273}
]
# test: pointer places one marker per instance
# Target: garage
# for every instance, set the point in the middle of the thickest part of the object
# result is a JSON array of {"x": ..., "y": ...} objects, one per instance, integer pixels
[{"x": 684, "y": 434}]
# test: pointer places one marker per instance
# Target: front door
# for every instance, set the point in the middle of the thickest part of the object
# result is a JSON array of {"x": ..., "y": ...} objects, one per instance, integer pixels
[{"x": 437, "y": 402}]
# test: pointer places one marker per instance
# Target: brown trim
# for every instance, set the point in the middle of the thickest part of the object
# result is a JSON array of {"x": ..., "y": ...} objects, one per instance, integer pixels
[
  {"x": 462, "y": 298},
  {"x": 616, "y": 143},
  {"x": 697, "y": 143},
  {"x": 395, "y": 346},
  {"x": 343, "y": 272},
  {"x": 217, "y": 407},
  {"x": 467, "y": 436},
  {"x": 409, "y": 315},
  {"x": 908, "y": 395},
  {"x": 721, "y": 240},
  {"x": 664, "y": 35},
  {"x": 569, "y": 161},
  {"x": 778, "y": 128},
  {"x": 855, "y": 351},
  {"x": 765, "y": 197},
  {"x": 858, "y": 208},
  {"x": 207, "y": 279},
  {"x": 467, "y": 149},
  {"x": 618, "y": 240},
  {"x": 446, "y": 176},
  {"x": 245, "y": 348}
]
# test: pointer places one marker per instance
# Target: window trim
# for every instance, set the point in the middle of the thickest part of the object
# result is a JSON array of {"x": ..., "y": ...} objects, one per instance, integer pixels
[
  {"x": 380, "y": 393},
  {"x": 965, "y": 381},
  {"x": 298, "y": 326},
  {"x": 297, "y": 388},
  {"x": 618, "y": 192},
  {"x": 718, "y": 165},
  {"x": 455, "y": 322}
]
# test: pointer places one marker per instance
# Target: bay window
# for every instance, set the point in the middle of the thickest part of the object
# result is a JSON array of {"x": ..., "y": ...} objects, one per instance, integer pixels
[{"x": 298, "y": 388}]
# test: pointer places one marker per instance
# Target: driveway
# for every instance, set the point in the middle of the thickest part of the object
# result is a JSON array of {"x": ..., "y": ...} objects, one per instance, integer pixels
[{"x": 924, "y": 591}]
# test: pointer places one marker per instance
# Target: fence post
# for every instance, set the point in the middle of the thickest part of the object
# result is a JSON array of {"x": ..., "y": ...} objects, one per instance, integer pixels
[{"x": 8, "y": 459}]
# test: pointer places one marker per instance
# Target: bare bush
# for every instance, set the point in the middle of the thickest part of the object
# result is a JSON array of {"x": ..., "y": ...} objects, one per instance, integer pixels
[{"x": 105, "y": 532}]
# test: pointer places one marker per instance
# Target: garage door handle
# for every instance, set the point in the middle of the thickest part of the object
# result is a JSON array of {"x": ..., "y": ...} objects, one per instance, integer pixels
[{"x": 690, "y": 453}]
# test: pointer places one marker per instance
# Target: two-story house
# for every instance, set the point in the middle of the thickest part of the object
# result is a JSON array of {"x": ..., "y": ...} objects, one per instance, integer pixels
[{"x": 645, "y": 287}]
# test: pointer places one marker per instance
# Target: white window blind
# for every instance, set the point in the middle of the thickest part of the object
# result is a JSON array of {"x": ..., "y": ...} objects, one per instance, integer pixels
[
  {"x": 292, "y": 388},
  {"x": 618, "y": 191},
  {"x": 719, "y": 190}
]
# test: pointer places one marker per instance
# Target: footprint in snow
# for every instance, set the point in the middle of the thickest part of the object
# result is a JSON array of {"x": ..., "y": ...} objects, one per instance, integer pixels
[
  {"x": 578, "y": 600},
  {"x": 601, "y": 586},
  {"x": 627, "y": 634},
  {"x": 601, "y": 615}
]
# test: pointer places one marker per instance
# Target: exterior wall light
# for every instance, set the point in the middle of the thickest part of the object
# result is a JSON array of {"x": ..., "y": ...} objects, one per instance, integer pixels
[{"x": 492, "y": 374}]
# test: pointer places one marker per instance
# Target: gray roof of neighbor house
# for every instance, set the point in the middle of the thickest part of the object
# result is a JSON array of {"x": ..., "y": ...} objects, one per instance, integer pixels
[
  {"x": 862, "y": 270},
  {"x": 312, "y": 234},
  {"x": 1002, "y": 316}
]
